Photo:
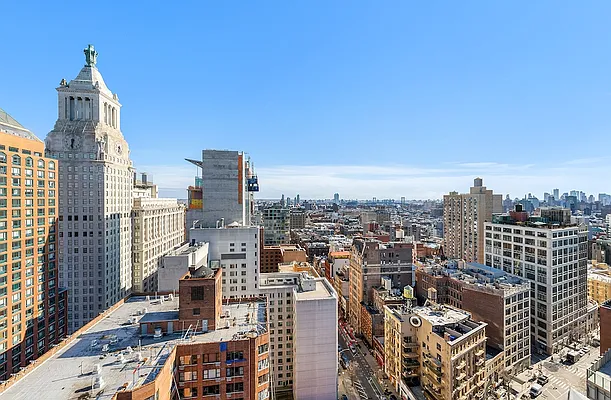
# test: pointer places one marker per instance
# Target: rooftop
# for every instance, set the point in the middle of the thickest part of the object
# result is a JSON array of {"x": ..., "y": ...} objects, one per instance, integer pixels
[
  {"x": 186, "y": 249},
  {"x": 115, "y": 346},
  {"x": 11, "y": 126},
  {"x": 476, "y": 274},
  {"x": 532, "y": 222},
  {"x": 447, "y": 322},
  {"x": 321, "y": 290},
  {"x": 598, "y": 276}
]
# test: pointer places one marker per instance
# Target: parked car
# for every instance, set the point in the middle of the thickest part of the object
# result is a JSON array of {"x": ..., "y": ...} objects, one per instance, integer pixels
[
  {"x": 542, "y": 380},
  {"x": 344, "y": 397},
  {"x": 339, "y": 347},
  {"x": 535, "y": 390}
]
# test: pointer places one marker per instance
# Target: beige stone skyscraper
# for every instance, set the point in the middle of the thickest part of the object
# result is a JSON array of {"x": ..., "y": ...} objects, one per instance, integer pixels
[
  {"x": 463, "y": 221},
  {"x": 95, "y": 194}
]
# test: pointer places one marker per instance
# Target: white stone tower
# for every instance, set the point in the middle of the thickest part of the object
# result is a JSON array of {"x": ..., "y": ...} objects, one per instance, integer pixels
[{"x": 95, "y": 185}]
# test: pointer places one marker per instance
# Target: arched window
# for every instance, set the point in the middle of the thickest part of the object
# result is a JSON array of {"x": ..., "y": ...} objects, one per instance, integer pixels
[
  {"x": 51, "y": 165},
  {"x": 2, "y": 158},
  {"x": 29, "y": 162},
  {"x": 41, "y": 163},
  {"x": 16, "y": 160}
]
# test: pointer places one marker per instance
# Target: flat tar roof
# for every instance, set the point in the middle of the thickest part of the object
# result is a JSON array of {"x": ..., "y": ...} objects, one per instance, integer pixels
[
  {"x": 70, "y": 372},
  {"x": 321, "y": 292}
]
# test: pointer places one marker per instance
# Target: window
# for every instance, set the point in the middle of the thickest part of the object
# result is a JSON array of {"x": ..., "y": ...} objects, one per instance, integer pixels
[
  {"x": 235, "y": 355},
  {"x": 263, "y": 364},
  {"x": 197, "y": 293},
  {"x": 235, "y": 387},
  {"x": 235, "y": 371},
  {"x": 188, "y": 360},
  {"x": 212, "y": 373},
  {"x": 211, "y": 357},
  {"x": 196, "y": 311},
  {"x": 208, "y": 390}
]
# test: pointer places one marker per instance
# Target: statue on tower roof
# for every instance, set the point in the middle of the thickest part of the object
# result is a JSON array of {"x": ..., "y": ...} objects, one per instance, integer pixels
[{"x": 90, "y": 55}]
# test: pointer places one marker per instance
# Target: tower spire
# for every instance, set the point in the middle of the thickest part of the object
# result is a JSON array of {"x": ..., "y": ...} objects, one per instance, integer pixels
[{"x": 90, "y": 55}]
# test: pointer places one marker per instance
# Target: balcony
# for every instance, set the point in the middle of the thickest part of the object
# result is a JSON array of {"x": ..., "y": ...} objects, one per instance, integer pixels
[
  {"x": 410, "y": 344},
  {"x": 433, "y": 368},
  {"x": 461, "y": 376},
  {"x": 479, "y": 352},
  {"x": 410, "y": 354},
  {"x": 480, "y": 361},
  {"x": 410, "y": 362},
  {"x": 409, "y": 373}
]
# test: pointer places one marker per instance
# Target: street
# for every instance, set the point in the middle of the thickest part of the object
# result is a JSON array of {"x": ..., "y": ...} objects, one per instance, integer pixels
[
  {"x": 361, "y": 374},
  {"x": 561, "y": 376}
]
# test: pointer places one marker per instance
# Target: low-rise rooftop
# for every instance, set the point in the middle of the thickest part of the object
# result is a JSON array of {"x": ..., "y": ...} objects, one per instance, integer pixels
[
  {"x": 318, "y": 291},
  {"x": 114, "y": 350},
  {"x": 478, "y": 275}
]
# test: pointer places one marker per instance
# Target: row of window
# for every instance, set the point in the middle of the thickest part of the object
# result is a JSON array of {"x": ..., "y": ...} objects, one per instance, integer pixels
[{"x": 29, "y": 161}]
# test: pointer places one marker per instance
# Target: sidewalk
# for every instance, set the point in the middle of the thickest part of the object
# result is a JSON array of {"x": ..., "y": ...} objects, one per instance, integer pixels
[{"x": 383, "y": 384}]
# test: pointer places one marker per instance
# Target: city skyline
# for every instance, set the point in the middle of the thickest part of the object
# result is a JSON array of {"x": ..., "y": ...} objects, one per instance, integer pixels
[{"x": 277, "y": 78}]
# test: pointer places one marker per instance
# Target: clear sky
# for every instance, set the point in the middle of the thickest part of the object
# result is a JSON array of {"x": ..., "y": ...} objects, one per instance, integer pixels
[{"x": 364, "y": 98}]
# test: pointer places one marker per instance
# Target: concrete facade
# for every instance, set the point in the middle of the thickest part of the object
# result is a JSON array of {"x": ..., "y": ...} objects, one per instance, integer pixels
[
  {"x": 176, "y": 263},
  {"x": 227, "y": 194},
  {"x": 316, "y": 341},
  {"x": 298, "y": 219},
  {"x": 302, "y": 312},
  {"x": 158, "y": 227},
  {"x": 95, "y": 194},
  {"x": 276, "y": 225},
  {"x": 553, "y": 257},
  {"x": 236, "y": 250}
]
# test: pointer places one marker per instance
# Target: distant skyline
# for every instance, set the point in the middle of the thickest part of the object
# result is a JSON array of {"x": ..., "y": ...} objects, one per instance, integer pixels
[
  {"x": 394, "y": 182},
  {"x": 383, "y": 100}
]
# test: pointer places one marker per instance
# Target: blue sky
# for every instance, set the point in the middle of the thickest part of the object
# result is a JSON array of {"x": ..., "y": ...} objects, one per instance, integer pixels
[{"x": 364, "y": 98}]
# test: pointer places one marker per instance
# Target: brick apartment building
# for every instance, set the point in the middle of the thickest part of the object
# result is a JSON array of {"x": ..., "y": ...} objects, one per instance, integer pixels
[
  {"x": 162, "y": 347},
  {"x": 33, "y": 309}
]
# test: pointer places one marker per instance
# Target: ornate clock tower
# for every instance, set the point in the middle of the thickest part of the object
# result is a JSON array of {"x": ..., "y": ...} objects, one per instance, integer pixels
[{"x": 95, "y": 184}]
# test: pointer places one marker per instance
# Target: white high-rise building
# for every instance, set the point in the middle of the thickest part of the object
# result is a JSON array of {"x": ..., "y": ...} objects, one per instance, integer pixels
[
  {"x": 303, "y": 334},
  {"x": 95, "y": 194},
  {"x": 551, "y": 253},
  {"x": 235, "y": 249}
]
